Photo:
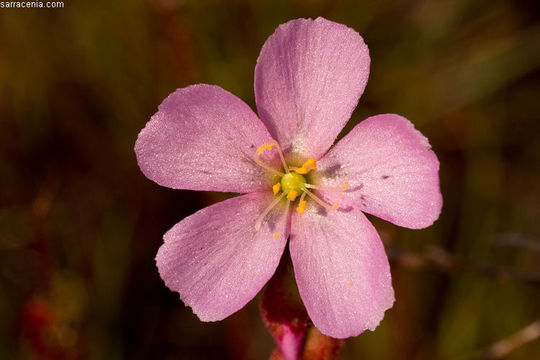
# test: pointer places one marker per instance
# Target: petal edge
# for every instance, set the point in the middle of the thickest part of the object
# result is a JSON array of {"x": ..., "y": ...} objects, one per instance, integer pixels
[
  {"x": 391, "y": 171},
  {"x": 203, "y": 138},
  {"x": 216, "y": 260},
  {"x": 341, "y": 269},
  {"x": 308, "y": 79}
]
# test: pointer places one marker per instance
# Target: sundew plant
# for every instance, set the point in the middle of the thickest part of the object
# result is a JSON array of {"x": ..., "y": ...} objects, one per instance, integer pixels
[{"x": 297, "y": 187}]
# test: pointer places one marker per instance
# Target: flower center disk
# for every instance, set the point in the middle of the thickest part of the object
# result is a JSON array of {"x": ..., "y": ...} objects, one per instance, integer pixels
[
  {"x": 293, "y": 181},
  {"x": 291, "y": 184}
]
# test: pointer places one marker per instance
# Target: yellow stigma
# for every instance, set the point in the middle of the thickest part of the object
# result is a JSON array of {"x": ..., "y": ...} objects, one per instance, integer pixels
[
  {"x": 292, "y": 194},
  {"x": 275, "y": 188},
  {"x": 307, "y": 167},
  {"x": 301, "y": 207}
]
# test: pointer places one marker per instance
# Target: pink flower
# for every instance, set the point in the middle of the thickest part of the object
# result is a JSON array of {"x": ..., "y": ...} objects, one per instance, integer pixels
[{"x": 308, "y": 79}]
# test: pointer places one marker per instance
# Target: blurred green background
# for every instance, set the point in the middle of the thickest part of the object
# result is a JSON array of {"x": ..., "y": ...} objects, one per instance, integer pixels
[{"x": 80, "y": 225}]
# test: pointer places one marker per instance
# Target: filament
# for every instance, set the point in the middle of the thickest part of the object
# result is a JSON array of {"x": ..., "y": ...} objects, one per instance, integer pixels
[
  {"x": 269, "y": 146},
  {"x": 301, "y": 203},
  {"x": 283, "y": 221},
  {"x": 264, "y": 166},
  {"x": 321, "y": 202},
  {"x": 275, "y": 143},
  {"x": 341, "y": 188},
  {"x": 267, "y": 210}
]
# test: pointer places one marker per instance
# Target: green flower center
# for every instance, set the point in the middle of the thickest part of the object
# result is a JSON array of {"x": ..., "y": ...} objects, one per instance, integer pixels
[
  {"x": 292, "y": 184},
  {"x": 293, "y": 181}
]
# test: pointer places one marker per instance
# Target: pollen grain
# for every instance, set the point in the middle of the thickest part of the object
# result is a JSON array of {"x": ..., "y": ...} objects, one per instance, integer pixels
[
  {"x": 301, "y": 207},
  {"x": 292, "y": 194},
  {"x": 306, "y": 167}
]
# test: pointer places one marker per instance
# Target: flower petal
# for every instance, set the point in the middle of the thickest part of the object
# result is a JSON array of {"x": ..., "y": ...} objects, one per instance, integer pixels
[
  {"x": 308, "y": 79},
  {"x": 217, "y": 261},
  {"x": 390, "y": 169},
  {"x": 203, "y": 138},
  {"x": 341, "y": 270}
]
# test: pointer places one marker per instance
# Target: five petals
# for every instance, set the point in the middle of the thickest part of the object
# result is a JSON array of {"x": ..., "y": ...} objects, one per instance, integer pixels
[{"x": 204, "y": 138}]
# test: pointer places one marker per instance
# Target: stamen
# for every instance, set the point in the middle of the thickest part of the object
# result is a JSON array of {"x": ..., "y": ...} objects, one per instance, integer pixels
[
  {"x": 283, "y": 222},
  {"x": 275, "y": 188},
  {"x": 268, "y": 146},
  {"x": 301, "y": 204},
  {"x": 301, "y": 207},
  {"x": 307, "y": 167},
  {"x": 309, "y": 164},
  {"x": 263, "y": 147},
  {"x": 267, "y": 210},
  {"x": 264, "y": 166},
  {"x": 285, "y": 167},
  {"x": 292, "y": 194},
  {"x": 321, "y": 202},
  {"x": 341, "y": 188}
]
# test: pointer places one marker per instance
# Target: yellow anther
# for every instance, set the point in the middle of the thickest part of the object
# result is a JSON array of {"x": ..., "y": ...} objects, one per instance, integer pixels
[
  {"x": 276, "y": 188},
  {"x": 310, "y": 164},
  {"x": 277, "y": 235},
  {"x": 345, "y": 185},
  {"x": 350, "y": 284},
  {"x": 307, "y": 167},
  {"x": 263, "y": 147},
  {"x": 292, "y": 194},
  {"x": 335, "y": 206},
  {"x": 302, "y": 207}
]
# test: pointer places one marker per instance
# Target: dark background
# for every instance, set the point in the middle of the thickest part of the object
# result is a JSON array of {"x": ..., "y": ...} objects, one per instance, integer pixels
[{"x": 80, "y": 225}]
